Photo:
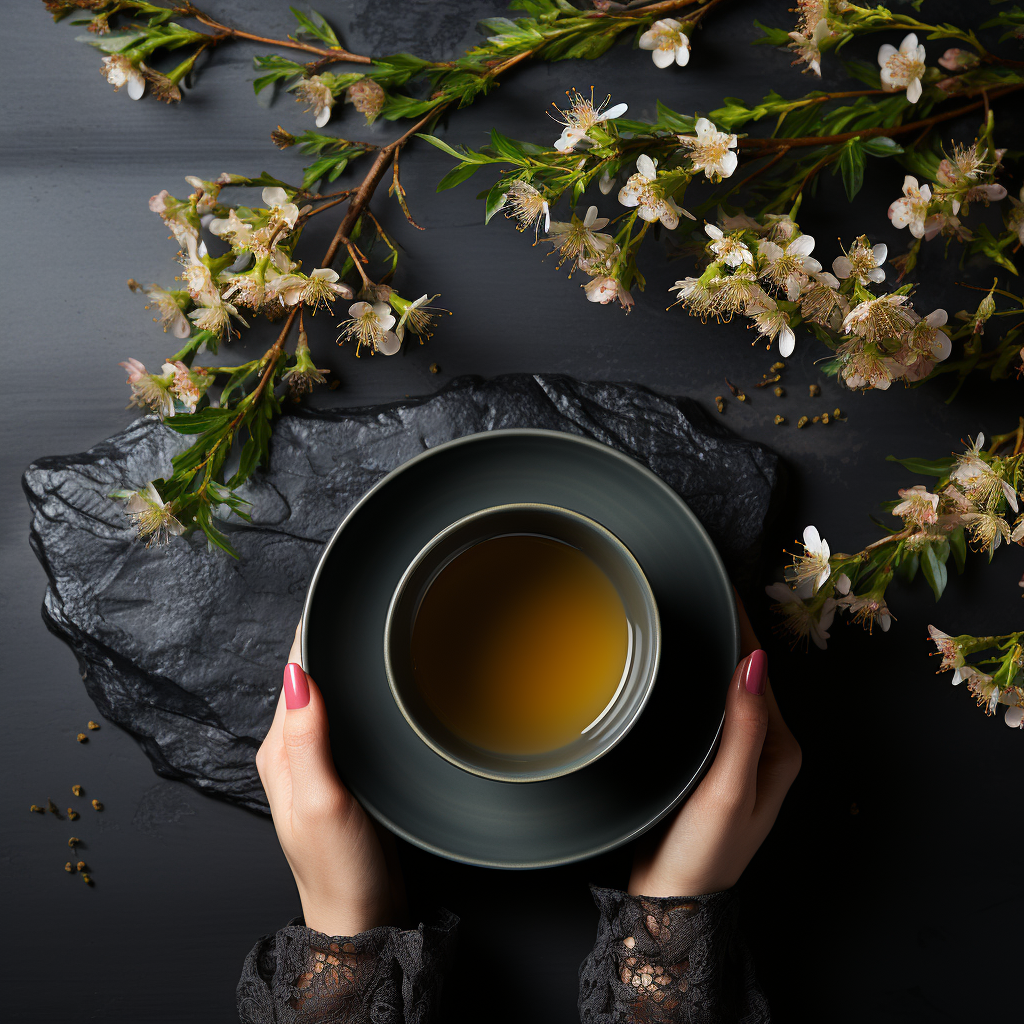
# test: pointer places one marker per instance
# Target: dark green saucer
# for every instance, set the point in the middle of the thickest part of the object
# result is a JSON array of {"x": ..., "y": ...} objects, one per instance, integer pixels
[{"x": 439, "y": 807}]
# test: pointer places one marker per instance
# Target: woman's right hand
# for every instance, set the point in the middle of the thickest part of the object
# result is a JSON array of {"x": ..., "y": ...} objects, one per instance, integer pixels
[
  {"x": 347, "y": 881},
  {"x": 720, "y": 827}
]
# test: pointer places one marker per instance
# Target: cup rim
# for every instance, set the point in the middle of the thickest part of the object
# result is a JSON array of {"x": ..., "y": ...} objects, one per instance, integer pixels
[{"x": 650, "y": 677}]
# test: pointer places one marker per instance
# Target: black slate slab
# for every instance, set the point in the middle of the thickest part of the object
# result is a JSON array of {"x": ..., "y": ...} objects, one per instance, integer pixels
[{"x": 183, "y": 647}]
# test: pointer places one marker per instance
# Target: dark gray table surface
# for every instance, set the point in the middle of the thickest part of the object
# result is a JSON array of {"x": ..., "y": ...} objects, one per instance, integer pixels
[{"x": 898, "y": 913}]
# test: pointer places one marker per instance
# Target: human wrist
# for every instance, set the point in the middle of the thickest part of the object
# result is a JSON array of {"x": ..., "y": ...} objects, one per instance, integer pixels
[{"x": 341, "y": 917}]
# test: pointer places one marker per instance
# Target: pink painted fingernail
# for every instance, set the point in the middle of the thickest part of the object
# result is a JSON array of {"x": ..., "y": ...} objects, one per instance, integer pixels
[
  {"x": 296, "y": 688},
  {"x": 757, "y": 673}
]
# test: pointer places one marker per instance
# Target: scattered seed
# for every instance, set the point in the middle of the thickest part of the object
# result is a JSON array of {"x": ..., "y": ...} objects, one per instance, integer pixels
[
  {"x": 732, "y": 387},
  {"x": 74, "y": 841},
  {"x": 87, "y": 879},
  {"x": 77, "y": 790},
  {"x": 814, "y": 390},
  {"x": 37, "y": 809},
  {"x": 720, "y": 403},
  {"x": 779, "y": 420},
  {"x": 741, "y": 397},
  {"x": 69, "y": 868},
  {"x": 72, "y": 814},
  {"x": 780, "y": 365},
  {"x": 815, "y": 419},
  {"x": 434, "y": 368},
  {"x": 52, "y": 808},
  {"x": 81, "y": 865},
  {"x": 93, "y": 725},
  {"x": 97, "y": 805},
  {"x": 767, "y": 380},
  {"x": 824, "y": 417},
  {"x": 779, "y": 391},
  {"x": 334, "y": 385},
  {"x": 82, "y": 738},
  {"x": 802, "y": 422},
  {"x": 836, "y": 414},
  {"x": 854, "y": 809}
]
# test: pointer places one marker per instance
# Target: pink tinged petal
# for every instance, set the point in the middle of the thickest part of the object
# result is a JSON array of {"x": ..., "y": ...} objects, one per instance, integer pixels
[
  {"x": 663, "y": 58},
  {"x": 811, "y": 265},
  {"x": 843, "y": 583},
  {"x": 885, "y": 51},
  {"x": 390, "y": 343},
  {"x": 914, "y": 91},
  {"x": 728, "y": 163},
  {"x": 1013, "y": 717},
  {"x": 885, "y": 621},
  {"x": 645, "y": 165},
  {"x": 936, "y": 318},
  {"x": 909, "y": 184}
]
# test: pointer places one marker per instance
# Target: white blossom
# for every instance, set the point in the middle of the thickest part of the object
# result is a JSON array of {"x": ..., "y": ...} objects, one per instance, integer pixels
[
  {"x": 151, "y": 516},
  {"x": 317, "y": 93},
  {"x": 370, "y": 325},
  {"x": 862, "y": 263},
  {"x": 583, "y": 242},
  {"x": 902, "y": 68},
  {"x": 801, "y": 620},
  {"x": 119, "y": 70},
  {"x": 711, "y": 151},
  {"x": 604, "y": 289},
  {"x": 528, "y": 206},
  {"x": 580, "y": 117},
  {"x": 912, "y": 210},
  {"x": 772, "y": 322},
  {"x": 668, "y": 43},
  {"x": 813, "y": 565},
  {"x": 643, "y": 191},
  {"x": 320, "y": 288},
  {"x": 728, "y": 248},
  {"x": 785, "y": 265}
]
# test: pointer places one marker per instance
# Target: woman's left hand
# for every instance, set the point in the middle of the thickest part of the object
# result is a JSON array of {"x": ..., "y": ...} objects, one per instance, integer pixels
[{"x": 345, "y": 881}]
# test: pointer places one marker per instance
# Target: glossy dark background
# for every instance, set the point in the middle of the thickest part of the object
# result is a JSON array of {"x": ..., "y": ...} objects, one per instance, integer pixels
[{"x": 898, "y": 913}]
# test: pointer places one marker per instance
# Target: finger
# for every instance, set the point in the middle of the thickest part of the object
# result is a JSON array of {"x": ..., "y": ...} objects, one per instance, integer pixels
[
  {"x": 780, "y": 762},
  {"x": 748, "y": 640},
  {"x": 271, "y": 757},
  {"x": 734, "y": 771},
  {"x": 315, "y": 787}
]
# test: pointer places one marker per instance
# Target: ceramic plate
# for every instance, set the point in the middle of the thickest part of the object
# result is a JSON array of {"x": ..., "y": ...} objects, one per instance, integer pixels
[{"x": 441, "y": 808}]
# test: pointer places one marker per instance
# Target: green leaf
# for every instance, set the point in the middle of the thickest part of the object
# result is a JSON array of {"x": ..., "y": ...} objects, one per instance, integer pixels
[
  {"x": 495, "y": 199},
  {"x": 869, "y": 74},
  {"x": 958, "y": 545},
  {"x": 199, "y": 422},
  {"x": 457, "y": 175},
  {"x": 113, "y": 42},
  {"x": 772, "y": 36},
  {"x": 851, "y": 163},
  {"x": 673, "y": 121},
  {"x": 934, "y": 570},
  {"x": 276, "y": 68},
  {"x": 925, "y": 467},
  {"x": 508, "y": 148},
  {"x": 908, "y": 567},
  {"x": 313, "y": 24},
  {"x": 881, "y": 145}
]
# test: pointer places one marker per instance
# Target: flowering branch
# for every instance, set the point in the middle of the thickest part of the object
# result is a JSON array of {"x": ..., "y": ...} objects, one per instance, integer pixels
[{"x": 970, "y": 507}]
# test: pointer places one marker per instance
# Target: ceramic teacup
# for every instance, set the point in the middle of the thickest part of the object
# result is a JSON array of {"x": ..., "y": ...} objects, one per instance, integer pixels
[{"x": 610, "y": 555}]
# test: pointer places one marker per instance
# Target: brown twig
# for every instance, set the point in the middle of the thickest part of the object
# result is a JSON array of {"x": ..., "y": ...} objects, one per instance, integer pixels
[
  {"x": 225, "y": 32},
  {"x": 760, "y": 145},
  {"x": 893, "y": 538}
]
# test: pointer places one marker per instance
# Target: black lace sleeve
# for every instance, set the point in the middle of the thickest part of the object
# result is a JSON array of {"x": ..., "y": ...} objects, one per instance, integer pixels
[
  {"x": 670, "y": 960},
  {"x": 385, "y": 975}
]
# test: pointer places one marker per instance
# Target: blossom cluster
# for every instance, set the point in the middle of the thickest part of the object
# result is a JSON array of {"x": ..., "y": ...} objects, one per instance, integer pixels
[
  {"x": 995, "y": 680},
  {"x": 975, "y": 504},
  {"x": 762, "y": 269}
]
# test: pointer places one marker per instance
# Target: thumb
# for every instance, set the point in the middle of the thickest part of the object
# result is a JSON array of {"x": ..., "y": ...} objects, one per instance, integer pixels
[
  {"x": 746, "y": 724},
  {"x": 316, "y": 788}
]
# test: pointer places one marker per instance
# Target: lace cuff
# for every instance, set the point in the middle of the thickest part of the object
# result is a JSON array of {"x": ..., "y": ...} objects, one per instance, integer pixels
[
  {"x": 669, "y": 960},
  {"x": 384, "y": 975}
]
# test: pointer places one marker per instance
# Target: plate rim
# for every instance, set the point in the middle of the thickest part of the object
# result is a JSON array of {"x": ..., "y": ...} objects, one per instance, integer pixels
[{"x": 605, "y": 449}]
